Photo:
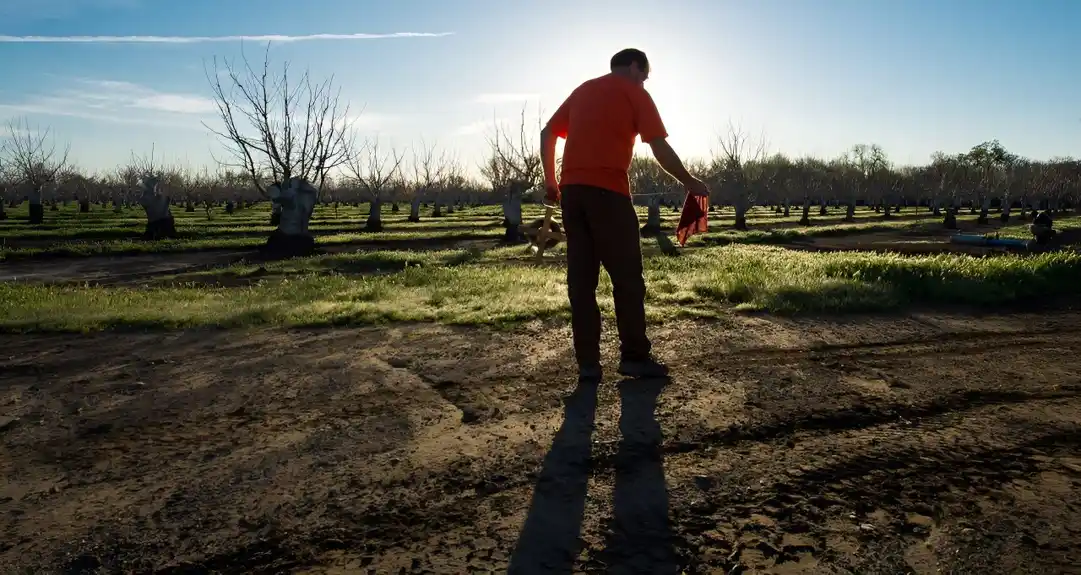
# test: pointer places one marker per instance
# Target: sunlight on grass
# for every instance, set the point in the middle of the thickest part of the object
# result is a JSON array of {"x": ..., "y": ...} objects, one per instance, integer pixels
[{"x": 464, "y": 287}]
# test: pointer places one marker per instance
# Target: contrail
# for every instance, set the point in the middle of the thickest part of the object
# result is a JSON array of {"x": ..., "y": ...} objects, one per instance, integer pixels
[{"x": 204, "y": 39}]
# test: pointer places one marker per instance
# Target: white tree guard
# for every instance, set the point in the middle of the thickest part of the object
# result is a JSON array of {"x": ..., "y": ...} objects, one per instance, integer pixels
[
  {"x": 653, "y": 216},
  {"x": 414, "y": 208},
  {"x": 296, "y": 199},
  {"x": 512, "y": 208},
  {"x": 153, "y": 201},
  {"x": 35, "y": 195},
  {"x": 375, "y": 213}
]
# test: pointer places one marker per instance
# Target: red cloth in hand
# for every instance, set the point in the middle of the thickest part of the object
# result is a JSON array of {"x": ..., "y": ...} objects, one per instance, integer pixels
[{"x": 693, "y": 219}]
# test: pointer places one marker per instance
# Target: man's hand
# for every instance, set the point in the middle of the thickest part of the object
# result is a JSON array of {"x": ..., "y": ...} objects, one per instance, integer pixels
[
  {"x": 697, "y": 187},
  {"x": 551, "y": 193}
]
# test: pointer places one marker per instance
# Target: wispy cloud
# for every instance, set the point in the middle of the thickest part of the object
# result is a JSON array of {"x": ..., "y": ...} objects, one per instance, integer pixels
[
  {"x": 114, "y": 94},
  {"x": 205, "y": 39},
  {"x": 118, "y": 102},
  {"x": 504, "y": 97}
]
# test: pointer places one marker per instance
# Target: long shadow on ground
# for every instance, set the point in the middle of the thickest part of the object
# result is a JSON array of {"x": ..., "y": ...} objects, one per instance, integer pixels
[
  {"x": 640, "y": 538},
  {"x": 550, "y": 538}
]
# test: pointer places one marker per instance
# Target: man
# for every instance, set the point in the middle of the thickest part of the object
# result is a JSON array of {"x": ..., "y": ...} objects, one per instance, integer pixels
[{"x": 600, "y": 121}]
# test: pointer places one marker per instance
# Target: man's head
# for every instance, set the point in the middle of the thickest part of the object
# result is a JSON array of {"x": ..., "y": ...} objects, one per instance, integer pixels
[{"x": 631, "y": 63}]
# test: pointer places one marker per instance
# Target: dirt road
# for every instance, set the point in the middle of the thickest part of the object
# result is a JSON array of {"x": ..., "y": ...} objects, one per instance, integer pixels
[{"x": 929, "y": 443}]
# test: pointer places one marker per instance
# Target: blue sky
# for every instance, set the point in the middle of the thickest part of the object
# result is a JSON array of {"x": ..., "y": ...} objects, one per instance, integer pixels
[{"x": 914, "y": 76}]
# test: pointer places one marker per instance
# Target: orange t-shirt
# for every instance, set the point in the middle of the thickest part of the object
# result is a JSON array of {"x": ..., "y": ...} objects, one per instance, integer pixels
[{"x": 600, "y": 120}]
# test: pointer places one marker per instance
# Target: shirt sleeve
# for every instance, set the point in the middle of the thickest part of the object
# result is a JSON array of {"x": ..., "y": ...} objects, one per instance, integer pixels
[
  {"x": 647, "y": 119},
  {"x": 561, "y": 119}
]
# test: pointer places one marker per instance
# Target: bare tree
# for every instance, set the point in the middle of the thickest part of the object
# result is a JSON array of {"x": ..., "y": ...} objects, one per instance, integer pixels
[
  {"x": 153, "y": 179},
  {"x": 513, "y": 168},
  {"x": 736, "y": 150},
  {"x": 6, "y": 179},
  {"x": 36, "y": 161},
  {"x": 429, "y": 174},
  {"x": 279, "y": 130},
  {"x": 374, "y": 171}
]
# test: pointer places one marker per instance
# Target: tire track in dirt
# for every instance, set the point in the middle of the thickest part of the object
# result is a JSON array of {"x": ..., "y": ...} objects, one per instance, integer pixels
[
  {"x": 417, "y": 511},
  {"x": 938, "y": 344},
  {"x": 862, "y": 417},
  {"x": 376, "y": 526},
  {"x": 894, "y": 478}
]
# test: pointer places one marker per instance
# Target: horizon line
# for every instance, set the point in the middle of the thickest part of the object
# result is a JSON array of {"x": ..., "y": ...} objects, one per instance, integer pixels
[{"x": 6, "y": 39}]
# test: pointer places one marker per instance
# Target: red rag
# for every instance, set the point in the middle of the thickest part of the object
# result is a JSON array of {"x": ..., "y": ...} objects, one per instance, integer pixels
[{"x": 693, "y": 219}]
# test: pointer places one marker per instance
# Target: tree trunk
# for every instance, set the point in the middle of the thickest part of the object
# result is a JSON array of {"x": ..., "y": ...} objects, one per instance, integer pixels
[
  {"x": 276, "y": 214},
  {"x": 850, "y": 211},
  {"x": 375, "y": 215},
  {"x": 159, "y": 217},
  {"x": 37, "y": 210},
  {"x": 1006, "y": 208},
  {"x": 294, "y": 205},
  {"x": 985, "y": 208},
  {"x": 787, "y": 207},
  {"x": 805, "y": 216},
  {"x": 84, "y": 206},
  {"x": 936, "y": 208},
  {"x": 414, "y": 209},
  {"x": 512, "y": 216},
  {"x": 653, "y": 218},
  {"x": 950, "y": 221}
]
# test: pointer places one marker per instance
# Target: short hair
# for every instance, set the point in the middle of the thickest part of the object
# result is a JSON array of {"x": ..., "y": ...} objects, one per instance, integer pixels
[{"x": 629, "y": 56}]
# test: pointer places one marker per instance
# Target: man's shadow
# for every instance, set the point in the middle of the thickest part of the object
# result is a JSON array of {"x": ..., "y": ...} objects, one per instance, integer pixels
[{"x": 640, "y": 537}]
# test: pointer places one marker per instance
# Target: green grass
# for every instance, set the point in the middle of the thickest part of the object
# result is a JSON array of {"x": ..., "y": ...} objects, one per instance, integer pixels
[
  {"x": 462, "y": 287},
  {"x": 75, "y": 235}
]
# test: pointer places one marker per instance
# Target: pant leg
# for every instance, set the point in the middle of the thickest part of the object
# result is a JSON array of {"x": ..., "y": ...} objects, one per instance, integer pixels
[
  {"x": 619, "y": 248},
  {"x": 583, "y": 273}
]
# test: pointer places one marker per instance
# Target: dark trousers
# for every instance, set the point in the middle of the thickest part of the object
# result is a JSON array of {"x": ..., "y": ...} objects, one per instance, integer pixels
[{"x": 602, "y": 229}]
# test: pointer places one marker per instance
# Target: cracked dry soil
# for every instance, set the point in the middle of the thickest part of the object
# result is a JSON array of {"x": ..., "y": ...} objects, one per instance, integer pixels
[{"x": 926, "y": 443}]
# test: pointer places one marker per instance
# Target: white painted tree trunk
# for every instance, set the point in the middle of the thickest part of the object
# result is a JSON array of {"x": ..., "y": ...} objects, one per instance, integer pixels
[
  {"x": 414, "y": 209},
  {"x": 653, "y": 215},
  {"x": 295, "y": 201},
  {"x": 375, "y": 215},
  {"x": 512, "y": 208},
  {"x": 157, "y": 208}
]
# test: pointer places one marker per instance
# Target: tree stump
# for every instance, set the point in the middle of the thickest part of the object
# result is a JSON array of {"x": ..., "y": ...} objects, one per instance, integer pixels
[
  {"x": 653, "y": 219},
  {"x": 294, "y": 200},
  {"x": 37, "y": 214},
  {"x": 160, "y": 229},
  {"x": 280, "y": 244}
]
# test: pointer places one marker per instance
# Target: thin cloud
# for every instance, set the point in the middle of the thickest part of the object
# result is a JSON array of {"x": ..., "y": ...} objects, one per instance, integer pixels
[
  {"x": 205, "y": 39},
  {"x": 118, "y": 102},
  {"x": 114, "y": 94}
]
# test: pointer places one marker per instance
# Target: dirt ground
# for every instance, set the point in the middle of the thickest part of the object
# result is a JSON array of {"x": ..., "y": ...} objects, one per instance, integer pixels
[{"x": 929, "y": 443}]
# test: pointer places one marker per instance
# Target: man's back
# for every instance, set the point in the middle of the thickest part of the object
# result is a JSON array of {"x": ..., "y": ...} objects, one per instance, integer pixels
[{"x": 600, "y": 120}]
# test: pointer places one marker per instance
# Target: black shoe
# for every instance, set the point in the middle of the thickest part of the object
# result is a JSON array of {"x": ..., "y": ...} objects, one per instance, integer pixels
[{"x": 639, "y": 369}]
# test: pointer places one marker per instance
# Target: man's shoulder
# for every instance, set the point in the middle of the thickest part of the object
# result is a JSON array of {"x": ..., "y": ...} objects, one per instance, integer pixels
[{"x": 606, "y": 84}]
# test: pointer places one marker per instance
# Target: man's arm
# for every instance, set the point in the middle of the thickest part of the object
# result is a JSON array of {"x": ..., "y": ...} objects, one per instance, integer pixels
[
  {"x": 556, "y": 128},
  {"x": 669, "y": 160},
  {"x": 548, "y": 155}
]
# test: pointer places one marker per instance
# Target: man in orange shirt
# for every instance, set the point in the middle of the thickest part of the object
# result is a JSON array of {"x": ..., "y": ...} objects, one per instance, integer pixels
[{"x": 600, "y": 121}]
